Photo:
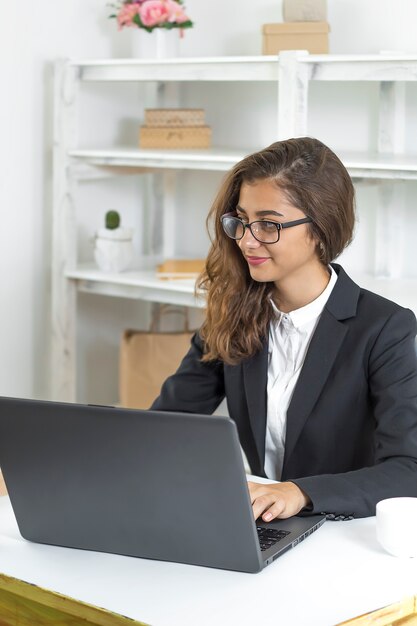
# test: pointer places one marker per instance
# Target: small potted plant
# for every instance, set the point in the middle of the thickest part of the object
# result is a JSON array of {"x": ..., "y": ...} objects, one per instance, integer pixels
[
  {"x": 151, "y": 14},
  {"x": 113, "y": 250},
  {"x": 166, "y": 17}
]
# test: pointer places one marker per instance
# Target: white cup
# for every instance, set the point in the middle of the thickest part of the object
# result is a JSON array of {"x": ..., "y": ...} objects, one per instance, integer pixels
[{"x": 396, "y": 526}]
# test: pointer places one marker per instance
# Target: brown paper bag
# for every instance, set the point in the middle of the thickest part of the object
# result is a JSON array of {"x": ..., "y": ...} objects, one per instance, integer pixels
[{"x": 147, "y": 358}]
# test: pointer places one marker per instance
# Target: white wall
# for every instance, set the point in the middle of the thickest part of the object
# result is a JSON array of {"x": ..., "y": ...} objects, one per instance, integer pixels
[
  {"x": 29, "y": 42},
  {"x": 30, "y": 38}
]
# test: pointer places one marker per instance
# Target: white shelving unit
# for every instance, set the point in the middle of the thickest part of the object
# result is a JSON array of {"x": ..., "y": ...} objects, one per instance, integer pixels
[
  {"x": 210, "y": 159},
  {"x": 293, "y": 72},
  {"x": 137, "y": 285}
]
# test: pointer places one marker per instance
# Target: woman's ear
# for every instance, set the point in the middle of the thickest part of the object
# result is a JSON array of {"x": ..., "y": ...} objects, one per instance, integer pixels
[{"x": 321, "y": 251}]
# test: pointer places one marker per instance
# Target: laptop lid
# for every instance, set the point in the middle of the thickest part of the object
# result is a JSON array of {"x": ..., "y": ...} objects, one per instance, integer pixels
[{"x": 149, "y": 484}]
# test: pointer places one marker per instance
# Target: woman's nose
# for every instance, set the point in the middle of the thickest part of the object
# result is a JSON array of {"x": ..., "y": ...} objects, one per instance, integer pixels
[{"x": 249, "y": 240}]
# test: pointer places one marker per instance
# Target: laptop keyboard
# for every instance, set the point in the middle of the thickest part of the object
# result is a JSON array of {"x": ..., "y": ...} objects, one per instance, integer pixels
[{"x": 269, "y": 536}]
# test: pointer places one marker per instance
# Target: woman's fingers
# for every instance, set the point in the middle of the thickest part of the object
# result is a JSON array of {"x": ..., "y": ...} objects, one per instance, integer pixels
[
  {"x": 268, "y": 502},
  {"x": 279, "y": 500}
]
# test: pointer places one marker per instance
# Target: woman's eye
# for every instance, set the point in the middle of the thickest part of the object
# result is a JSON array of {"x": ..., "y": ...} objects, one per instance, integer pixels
[{"x": 268, "y": 225}]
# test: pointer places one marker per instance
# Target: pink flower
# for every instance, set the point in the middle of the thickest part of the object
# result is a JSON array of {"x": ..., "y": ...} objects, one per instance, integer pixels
[
  {"x": 176, "y": 11},
  {"x": 126, "y": 15},
  {"x": 151, "y": 14},
  {"x": 154, "y": 12}
]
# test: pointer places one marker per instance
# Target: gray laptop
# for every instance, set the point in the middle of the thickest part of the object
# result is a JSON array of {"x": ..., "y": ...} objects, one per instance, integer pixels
[{"x": 148, "y": 484}]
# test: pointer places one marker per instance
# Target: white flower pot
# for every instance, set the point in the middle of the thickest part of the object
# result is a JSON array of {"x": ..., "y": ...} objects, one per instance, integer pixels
[
  {"x": 113, "y": 251},
  {"x": 161, "y": 43}
]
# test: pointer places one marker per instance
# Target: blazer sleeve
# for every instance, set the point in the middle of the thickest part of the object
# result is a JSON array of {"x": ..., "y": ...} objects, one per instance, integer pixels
[
  {"x": 196, "y": 387},
  {"x": 392, "y": 378}
]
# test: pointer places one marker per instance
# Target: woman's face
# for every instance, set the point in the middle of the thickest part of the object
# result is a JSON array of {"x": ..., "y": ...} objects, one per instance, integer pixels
[{"x": 294, "y": 255}]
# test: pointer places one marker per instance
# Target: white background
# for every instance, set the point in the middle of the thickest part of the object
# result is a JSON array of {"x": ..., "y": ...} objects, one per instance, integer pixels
[{"x": 32, "y": 35}]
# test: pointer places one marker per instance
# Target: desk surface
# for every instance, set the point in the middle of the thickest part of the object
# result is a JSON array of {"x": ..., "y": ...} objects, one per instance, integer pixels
[{"x": 339, "y": 572}]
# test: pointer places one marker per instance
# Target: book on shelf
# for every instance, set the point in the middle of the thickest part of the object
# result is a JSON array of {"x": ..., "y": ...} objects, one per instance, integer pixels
[{"x": 180, "y": 269}]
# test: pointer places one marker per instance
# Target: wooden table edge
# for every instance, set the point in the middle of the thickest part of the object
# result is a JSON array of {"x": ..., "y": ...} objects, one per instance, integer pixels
[{"x": 65, "y": 604}]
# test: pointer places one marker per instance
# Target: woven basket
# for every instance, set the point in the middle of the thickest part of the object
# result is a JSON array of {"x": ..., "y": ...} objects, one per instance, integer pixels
[
  {"x": 174, "y": 117},
  {"x": 185, "y": 137}
]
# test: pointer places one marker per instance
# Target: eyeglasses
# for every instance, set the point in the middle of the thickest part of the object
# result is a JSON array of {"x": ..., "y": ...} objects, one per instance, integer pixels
[{"x": 263, "y": 231}]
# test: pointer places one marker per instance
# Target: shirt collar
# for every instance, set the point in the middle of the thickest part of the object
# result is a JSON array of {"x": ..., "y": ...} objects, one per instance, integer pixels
[{"x": 310, "y": 311}]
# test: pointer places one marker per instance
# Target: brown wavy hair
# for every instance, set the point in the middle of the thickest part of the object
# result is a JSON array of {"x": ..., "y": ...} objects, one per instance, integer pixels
[{"x": 314, "y": 180}]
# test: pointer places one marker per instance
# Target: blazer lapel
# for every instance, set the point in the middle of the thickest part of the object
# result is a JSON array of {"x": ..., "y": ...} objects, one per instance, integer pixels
[
  {"x": 255, "y": 374},
  {"x": 321, "y": 354},
  {"x": 324, "y": 347}
]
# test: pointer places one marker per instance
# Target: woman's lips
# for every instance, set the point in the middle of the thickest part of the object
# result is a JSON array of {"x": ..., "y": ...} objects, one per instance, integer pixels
[{"x": 256, "y": 260}]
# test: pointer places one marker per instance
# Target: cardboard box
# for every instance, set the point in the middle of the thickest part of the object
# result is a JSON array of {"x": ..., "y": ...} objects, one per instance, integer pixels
[
  {"x": 304, "y": 10},
  {"x": 311, "y": 36},
  {"x": 177, "y": 138},
  {"x": 174, "y": 118}
]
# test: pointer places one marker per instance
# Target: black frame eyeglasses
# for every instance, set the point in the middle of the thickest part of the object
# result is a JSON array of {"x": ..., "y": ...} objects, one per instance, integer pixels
[{"x": 264, "y": 231}]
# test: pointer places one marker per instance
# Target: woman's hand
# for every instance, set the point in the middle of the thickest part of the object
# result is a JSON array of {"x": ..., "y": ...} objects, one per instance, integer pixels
[{"x": 276, "y": 500}]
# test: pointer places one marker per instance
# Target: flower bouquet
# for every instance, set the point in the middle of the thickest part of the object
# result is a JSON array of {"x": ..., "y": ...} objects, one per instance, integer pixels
[{"x": 151, "y": 14}]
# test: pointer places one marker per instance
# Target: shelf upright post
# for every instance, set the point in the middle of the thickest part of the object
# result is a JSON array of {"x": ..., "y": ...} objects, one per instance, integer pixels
[
  {"x": 169, "y": 97},
  {"x": 390, "y": 222},
  {"x": 164, "y": 186},
  {"x": 293, "y": 80},
  {"x": 64, "y": 247}
]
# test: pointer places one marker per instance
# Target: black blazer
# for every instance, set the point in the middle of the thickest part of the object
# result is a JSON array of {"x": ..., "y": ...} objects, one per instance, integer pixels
[{"x": 351, "y": 437}]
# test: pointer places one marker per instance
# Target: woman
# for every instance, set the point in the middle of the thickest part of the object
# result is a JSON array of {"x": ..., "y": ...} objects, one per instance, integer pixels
[{"x": 319, "y": 375}]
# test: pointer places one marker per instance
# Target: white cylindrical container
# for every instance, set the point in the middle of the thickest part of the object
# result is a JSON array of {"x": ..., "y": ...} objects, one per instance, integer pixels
[
  {"x": 113, "y": 249},
  {"x": 161, "y": 43},
  {"x": 396, "y": 524}
]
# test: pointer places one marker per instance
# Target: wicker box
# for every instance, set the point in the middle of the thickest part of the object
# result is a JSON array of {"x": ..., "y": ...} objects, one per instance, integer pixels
[
  {"x": 304, "y": 10},
  {"x": 311, "y": 36},
  {"x": 174, "y": 117},
  {"x": 184, "y": 137}
]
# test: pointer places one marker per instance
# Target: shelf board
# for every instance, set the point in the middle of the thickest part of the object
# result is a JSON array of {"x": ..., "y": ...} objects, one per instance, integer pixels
[
  {"x": 360, "y": 164},
  {"x": 252, "y": 68},
  {"x": 374, "y": 67},
  {"x": 145, "y": 285},
  {"x": 217, "y": 159},
  {"x": 385, "y": 166},
  {"x": 362, "y": 67},
  {"x": 137, "y": 285}
]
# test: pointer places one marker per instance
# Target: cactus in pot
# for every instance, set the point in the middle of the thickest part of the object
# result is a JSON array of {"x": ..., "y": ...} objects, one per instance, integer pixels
[
  {"x": 112, "y": 220},
  {"x": 113, "y": 250}
]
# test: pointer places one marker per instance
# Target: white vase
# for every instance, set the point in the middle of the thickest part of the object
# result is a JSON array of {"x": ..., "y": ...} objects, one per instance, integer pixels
[
  {"x": 113, "y": 251},
  {"x": 161, "y": 43}
]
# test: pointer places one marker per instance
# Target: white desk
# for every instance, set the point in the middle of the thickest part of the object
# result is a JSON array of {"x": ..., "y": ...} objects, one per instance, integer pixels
[{"x": 337, "y": 573}]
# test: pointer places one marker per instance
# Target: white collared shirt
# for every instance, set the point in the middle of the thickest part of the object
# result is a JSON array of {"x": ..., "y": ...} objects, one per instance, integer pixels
[{"x": 289, "y": 337}]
